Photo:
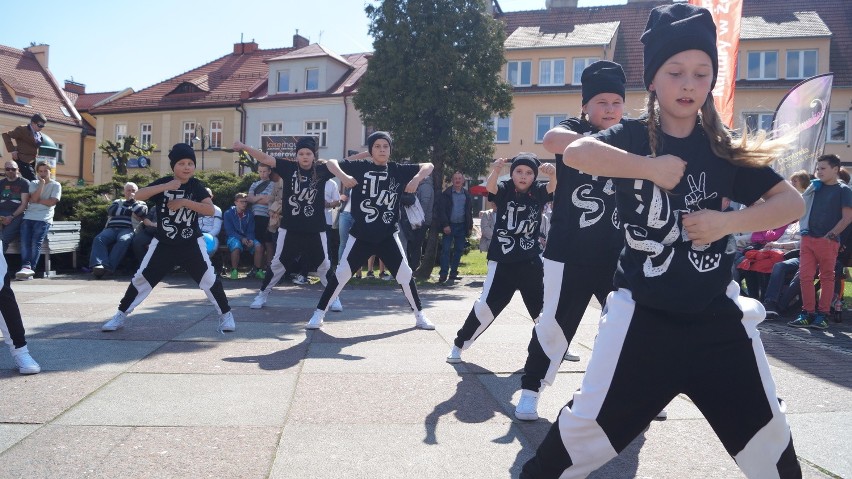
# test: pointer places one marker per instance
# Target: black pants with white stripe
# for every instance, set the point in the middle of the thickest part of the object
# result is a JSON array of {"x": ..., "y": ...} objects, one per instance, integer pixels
[
  {"x": 355, "y": 254},
  {"x": 643, "y": 358},
  {"x": 289, "y": 245},
  {"x": 161, "y": 259},
  {"x": 567, "y": 291},
  {"x": 500, "y": 285},
  {"x": 10, "y": 315}
]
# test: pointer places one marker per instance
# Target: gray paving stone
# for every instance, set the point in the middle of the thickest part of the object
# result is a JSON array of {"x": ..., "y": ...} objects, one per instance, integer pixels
[
  {"x": 39, "y": 398},
  {"x": 88, "y": 355},
  {"x": 372, "y": 358},
  {"x": 12, "y": 433},
  {"x": 223, "y": 357}
]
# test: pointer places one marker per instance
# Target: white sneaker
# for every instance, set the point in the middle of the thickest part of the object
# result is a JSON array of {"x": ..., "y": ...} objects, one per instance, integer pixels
[
  {"x": 26, "y": 364},
  {"x": 259, "y": 300},
  {"x": 527, "y": 409},
  {"x": 336, "y": 306},
  {"x": 662, "y": 415},
  {"x": 226, "y": 322},
  {"x": 454, "y": 356},
  {"x": 423, "y": 322},
  {"x": 24, "y": 274},
  {"x": 316, "y": 320},
  {"x": 299, "y": 279},
  {"x": 117, "y": 322},
  {"x": 571, "y": 356}
]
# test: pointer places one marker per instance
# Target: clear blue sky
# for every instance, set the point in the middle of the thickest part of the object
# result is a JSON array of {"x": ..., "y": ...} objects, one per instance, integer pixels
[{"x": 111, "y": 45}]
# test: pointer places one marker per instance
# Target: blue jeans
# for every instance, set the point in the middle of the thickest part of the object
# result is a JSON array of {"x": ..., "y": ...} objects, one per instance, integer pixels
[
  {"x": 12, "y": 231},
  {"x": 33, "y": 233},
  {"x": 119, "y": 239},
  {"x": 780, "y": 272},
  {"x": 345, "y": 222},
  {"x": 454, "y": 241}
]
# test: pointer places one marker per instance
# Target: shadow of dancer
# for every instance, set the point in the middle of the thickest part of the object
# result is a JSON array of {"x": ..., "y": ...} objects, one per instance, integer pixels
[{"x": 471, "y": 403}]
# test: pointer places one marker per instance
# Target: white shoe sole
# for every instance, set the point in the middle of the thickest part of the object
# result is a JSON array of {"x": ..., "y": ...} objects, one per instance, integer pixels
[
  {"x": 313, "y": 326},
  {"x": 453, "y": 360},
  {"x": 526, "y": 416}
]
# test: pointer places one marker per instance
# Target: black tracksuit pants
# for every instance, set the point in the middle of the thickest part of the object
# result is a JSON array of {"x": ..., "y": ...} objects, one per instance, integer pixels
[{"x": 12, "y": 325}]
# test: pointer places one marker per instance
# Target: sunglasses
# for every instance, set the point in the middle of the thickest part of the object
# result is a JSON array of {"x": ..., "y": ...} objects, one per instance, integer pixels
[
  {"x": 11, "y": 169},
  {"x": 40, "y": 125}
]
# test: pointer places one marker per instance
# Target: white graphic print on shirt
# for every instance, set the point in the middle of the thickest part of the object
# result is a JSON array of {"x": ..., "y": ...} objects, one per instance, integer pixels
[
  {"x": 379, "y": 201},
  {"x": 593, "y": 207},
  {"x": 522, "y": 229},
  {"x": 667, "y": 222},
  {"x": 302, "y": 199},
  {"x": 177, "y": 222}
]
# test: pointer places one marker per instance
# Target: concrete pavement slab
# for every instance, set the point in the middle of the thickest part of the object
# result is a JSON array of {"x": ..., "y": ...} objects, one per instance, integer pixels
[
  {"x": 85, "y": 354},
  {"x": 375, "y": 358},
  {"x": 39, "y": 398},
  {"x": 824, "y": 440},
  {"x": 12, "y": 433},
  {"x": 222, "y": 357},
  {"x": 247, "y": 330}
]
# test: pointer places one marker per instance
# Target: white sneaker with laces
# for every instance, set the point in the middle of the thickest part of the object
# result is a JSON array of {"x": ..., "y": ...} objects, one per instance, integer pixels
[
  {"x": 117, "y": 322},
  {"x": 316, "y": 320},
  {"x": 300, "y": 280},
  {"x": 662, "y": 415},
  {"x": 26, "y": 364},
  {"x": 455, "y": 355},
  {"x": 259, "y": 300},
  {"x": 336, "y": 306},
  {"x": 24, "y": 274},
  {"x": 423, "y": 322},
  {"x": 571, "y": 356},
  {"x": 527, "y": 409},
  {"x": 226, "y": 322}
]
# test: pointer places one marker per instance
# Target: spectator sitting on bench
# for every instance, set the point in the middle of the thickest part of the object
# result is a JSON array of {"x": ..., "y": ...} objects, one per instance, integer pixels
[
  {"x": 111, "y": 244},
  {"x": 44, "y": 194},
  {"x": 145, "y": 232},
  {"x": 14, "y": 194},
  {"x": 239, "y": 227},
  {"x": 210, "y": 227}
]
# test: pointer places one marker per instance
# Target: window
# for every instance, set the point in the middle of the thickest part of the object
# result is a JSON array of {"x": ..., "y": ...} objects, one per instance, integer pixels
[
  {"x": 120, "y": 131},
  {"x": 518, "y": 73},
  {"x": 801, "y": 63},
  {"x": 551, "y": 72},
  {"x": 284, "y": 81},
  {"x": 271, "y": 129},
  {"x": 188, "y": 132},
  {"x": 64, "y": 111},
  {"x": 758, "y": 121},
  {"x": 838, "y": 127},
  {"x": 501, "y": 129},
  {"x": 368, "y": 130},
  {"x": 311, "y": 79},
  {"x": 318, "y": 129},
  {"x": 145, "y": 133},
  {"x": 60, "y": 155},
  {"x": 762, "y": 65},
  {"x": 543, "y": 123},
  {"x": 580, "y": 64},
  {"x": 215, "y": 134},
  {"x": 22, "y": 100}
]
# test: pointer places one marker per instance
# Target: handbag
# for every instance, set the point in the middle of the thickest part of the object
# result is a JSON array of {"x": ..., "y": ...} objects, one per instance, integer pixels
[{"x": 415, "y": 214}]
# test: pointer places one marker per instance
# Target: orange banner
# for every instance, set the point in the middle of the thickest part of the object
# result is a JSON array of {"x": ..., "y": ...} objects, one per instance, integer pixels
[{"x": 726, "y": 14}]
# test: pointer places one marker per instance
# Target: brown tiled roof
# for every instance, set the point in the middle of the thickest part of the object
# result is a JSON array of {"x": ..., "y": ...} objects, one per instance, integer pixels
[
  {"x": 783, "y": 25},
  {"x": 23, "y": 73},
  {"x": 836, "y": 15},
  {"x": 86, "y": 101},
  {"x": 215, "y": 84},
  {"x": 311, "y": 51},
  {"x": 580, "y": 35}
]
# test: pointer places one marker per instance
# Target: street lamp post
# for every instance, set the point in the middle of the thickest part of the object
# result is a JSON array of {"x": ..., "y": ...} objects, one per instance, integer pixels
[{"x": 203, "y": 141}]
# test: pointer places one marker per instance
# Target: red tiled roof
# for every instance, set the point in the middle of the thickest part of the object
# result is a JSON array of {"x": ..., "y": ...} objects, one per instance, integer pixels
[
  {"x": 836, "y": 14},
  {"x": 21, "y": 70},
  {"x": 86, "y": 101},
  {"x": 217, "y": 84}
]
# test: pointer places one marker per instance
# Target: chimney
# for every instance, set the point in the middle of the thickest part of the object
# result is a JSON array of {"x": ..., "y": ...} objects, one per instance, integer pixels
[
  {"x": 40, "y": 52},
  {"x": 74, "y": 87},
  {"x": 245, "y": 48},
  {"x": 300, "y": 41},
  {"x": 560, "y": 4}
]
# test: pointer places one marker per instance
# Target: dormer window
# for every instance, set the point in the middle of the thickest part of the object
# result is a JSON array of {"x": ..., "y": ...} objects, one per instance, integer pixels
[
  {"x": 312, "y": 79},
  {"x": 284, "y": 81},
  {"x": 22, "y": 100},
  {"x": 186, "y": 87}
]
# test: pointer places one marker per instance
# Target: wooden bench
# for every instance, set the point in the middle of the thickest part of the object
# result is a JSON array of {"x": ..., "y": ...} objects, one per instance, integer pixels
[{"x": 62, "y": 237}]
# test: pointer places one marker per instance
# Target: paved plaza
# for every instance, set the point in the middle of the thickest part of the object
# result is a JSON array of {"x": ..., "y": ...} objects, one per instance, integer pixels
[{"x": 367, "y": 396}]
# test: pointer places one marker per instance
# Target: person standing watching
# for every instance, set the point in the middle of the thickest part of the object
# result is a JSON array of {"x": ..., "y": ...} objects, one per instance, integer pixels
[
  {"x": 44, "y": 195},
  {"x": 258, "y": 196},
  {"x": 14, "y": 195},
  {"x": 455, "y": 217},
  {"x": 28, "y": 139}
]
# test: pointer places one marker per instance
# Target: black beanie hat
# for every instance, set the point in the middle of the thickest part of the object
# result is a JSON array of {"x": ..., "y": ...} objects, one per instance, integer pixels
[
  {"x": 180, "y": 151},
  {"x": 308, "y": 142},
  {"x": 602, "y": 77},
  {"x": 526, "y": 159},
  {"x": 376, "y": 136},
  {"x": 675, "y": 28}
]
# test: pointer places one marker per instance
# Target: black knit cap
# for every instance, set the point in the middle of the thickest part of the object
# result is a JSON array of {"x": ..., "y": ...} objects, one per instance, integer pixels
[
  {"x": 377, "y": 135},
  {"x": 308, "y": 142},
  {"x": 675, "y": 28},
  {"x": 602, "y": 77},
  {"x": 526, "y": 159},
  {"x": 180, "y": 151}
]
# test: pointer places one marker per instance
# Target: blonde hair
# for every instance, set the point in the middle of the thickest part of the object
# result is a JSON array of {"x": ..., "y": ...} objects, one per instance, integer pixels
[{"x": 752, "y": 151}]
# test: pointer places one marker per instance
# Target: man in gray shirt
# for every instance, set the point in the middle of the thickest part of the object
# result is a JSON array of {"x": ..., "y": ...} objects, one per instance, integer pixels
[{"x": 455, "y": 218}]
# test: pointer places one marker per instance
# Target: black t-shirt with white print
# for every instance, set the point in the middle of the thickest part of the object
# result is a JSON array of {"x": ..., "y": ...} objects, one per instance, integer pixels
[
  {"x": 518, "y": 221},
  {"x": 375, "y": 200},
  {"x": 584, "y": 226},
  {"x": 181, "y": 226},
  {"x": 659, "y": 265},
  {"x": 303, "y": 203}
]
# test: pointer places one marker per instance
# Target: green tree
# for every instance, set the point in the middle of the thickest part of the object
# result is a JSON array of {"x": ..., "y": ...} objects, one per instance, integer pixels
[
  {"x": 120, "y": 151},
  {"x": 434, "y": 82}
]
